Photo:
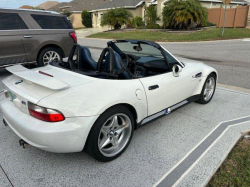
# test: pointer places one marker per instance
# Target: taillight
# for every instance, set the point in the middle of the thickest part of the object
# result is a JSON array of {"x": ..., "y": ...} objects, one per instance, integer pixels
[
  {"x": 45, "y": 114},
  {"x": 73, "y": 36}
]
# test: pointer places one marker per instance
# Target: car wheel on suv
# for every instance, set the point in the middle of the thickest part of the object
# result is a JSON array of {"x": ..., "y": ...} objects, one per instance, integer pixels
[{"x": 48, "y": 55}]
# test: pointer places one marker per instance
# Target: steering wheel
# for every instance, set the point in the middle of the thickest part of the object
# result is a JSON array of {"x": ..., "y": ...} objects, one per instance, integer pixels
[{"x": 127, "y": 60}]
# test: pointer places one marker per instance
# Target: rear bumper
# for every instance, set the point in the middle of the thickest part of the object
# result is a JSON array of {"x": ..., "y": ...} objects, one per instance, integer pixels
[{"x": 67, "y": 136}]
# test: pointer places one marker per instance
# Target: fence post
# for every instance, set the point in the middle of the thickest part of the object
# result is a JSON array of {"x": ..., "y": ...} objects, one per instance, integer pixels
[
  {"x": 247, "y": 22},
  {"x": 235, "y": 16}
]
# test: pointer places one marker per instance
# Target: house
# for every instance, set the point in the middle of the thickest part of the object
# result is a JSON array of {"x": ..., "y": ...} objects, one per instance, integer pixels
[
  {"x": 76, "y": 7},
  {"x": 137, "y": 7}
]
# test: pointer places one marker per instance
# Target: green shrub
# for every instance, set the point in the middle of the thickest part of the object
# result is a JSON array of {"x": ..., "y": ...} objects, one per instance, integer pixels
[
  {"x": 138, "y": 22},
  {"x": 86, "y": 19},
  {"x": 209, "y": 24},
  {"x": 180, "y": 14},
  {"x": 155, "y": 26},
  {"x": 116, "y": 17},
  {"x": 67, "y": 13},
  {"x": 151, "y": 15}
]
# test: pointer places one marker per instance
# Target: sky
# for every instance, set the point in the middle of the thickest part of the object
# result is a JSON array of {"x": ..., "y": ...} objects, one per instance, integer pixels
[{"x": 19, "y": 3}]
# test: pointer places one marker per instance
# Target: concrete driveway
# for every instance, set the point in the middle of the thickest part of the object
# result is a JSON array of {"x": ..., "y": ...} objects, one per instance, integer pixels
[
  {"x": 82, "y": 33},
  {"x": 154, "y": 152}
]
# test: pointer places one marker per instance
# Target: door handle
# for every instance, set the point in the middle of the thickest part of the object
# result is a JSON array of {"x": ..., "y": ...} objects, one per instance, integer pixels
[
  {"x": 197, "y": 75},
  {"x": 28, "y": 36},
  {"x": 153, "y": 87}
]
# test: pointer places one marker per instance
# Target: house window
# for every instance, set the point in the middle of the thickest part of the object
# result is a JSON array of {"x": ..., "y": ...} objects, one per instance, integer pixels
[{"x": 11, "y": 21}]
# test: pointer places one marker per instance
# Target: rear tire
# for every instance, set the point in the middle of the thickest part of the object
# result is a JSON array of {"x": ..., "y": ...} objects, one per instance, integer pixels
[
  {"x": 111, "y": 134},
  {"x": 47, "y": 55},
  {"x": 208, "y": 90}
]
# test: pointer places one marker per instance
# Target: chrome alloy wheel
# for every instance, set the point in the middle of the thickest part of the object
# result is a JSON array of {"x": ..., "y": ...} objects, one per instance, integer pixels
[
  {"x": 209, "y": 89},
  {"x": 114, "y": 135},
  {"x": 51, "y": 56}
]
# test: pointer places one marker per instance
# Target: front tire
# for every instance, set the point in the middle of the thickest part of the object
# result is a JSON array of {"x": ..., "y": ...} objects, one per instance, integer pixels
[
  {"x": 208, "y": 90},
  {"x": 111, "y": 134},
  {"x": 48, "y": 55}
]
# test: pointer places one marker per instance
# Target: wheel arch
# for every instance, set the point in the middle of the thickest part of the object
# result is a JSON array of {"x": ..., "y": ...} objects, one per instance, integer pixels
[
  {"x": 50, "y": 45},
  {"x": 216, "y": 75},
  {"x": 130, "y": 108}
]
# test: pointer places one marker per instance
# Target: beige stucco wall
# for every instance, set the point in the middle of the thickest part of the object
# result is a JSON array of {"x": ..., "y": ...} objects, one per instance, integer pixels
[{"x": 76, "y": 20}]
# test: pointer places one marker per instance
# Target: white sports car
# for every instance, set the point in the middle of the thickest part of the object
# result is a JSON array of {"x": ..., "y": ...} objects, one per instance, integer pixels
[{"x": 83, "y": 104}]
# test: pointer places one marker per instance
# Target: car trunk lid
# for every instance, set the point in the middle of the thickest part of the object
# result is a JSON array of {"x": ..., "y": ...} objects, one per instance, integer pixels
[{"x": 27, "y": 85}]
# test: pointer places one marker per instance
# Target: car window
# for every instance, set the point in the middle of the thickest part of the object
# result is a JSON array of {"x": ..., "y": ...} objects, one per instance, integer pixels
[
  {"x": 171, "y": 60},
  {"x": 11, "y": 21},
  {"x": 146, "y": 50},
  {"x": 52, "y": 22}
]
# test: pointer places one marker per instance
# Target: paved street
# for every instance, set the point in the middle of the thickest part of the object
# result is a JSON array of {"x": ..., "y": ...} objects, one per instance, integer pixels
[{"x": 231, "y": 58}]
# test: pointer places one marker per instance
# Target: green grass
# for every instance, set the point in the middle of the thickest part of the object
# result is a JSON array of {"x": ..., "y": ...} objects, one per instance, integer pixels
[
  {"x": 205, "y": 35},
  {"x": 235, "y": 170}
]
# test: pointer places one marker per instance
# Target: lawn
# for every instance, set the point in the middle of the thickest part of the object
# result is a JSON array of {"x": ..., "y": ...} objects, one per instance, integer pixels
[
  {"x": 205, "y": 35},
  {"x": 235, "y": 170}
]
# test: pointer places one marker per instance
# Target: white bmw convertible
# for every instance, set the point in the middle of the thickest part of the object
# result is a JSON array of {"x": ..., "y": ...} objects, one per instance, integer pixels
[{"x": 83, "y": 104}]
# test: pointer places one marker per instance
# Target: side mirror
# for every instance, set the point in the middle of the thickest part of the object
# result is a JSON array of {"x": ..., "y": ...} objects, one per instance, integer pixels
[{"x": 176, "y": 70}]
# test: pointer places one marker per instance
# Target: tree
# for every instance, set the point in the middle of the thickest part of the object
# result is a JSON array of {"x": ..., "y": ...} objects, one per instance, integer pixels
[
  {"x": 67, "y": 13},
  {"x": 86, "y": 19},
  {"x": 151, "y": 16},
  {"x": 180, "y": 14},
  {"x": 116, "y": 17}
]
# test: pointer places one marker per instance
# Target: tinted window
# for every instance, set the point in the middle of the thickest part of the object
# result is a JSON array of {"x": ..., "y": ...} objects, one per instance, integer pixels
[
  {"x": 52, "y": 22},
  {"x": 11, "y": 21}
]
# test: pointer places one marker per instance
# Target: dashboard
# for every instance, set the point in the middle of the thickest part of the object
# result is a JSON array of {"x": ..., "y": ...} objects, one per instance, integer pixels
[{"x": 146, "y": 65}]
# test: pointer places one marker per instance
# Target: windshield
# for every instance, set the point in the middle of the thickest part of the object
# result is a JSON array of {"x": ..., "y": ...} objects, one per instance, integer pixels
[{"x": 139, "y": 49}]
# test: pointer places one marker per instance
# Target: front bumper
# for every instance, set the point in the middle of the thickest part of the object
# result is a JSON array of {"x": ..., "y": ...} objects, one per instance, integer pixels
[{"x": 67, "y": 136}]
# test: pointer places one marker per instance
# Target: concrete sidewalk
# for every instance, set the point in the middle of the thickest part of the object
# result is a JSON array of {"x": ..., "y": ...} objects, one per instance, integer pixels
[{"x": 82, "y": 33}]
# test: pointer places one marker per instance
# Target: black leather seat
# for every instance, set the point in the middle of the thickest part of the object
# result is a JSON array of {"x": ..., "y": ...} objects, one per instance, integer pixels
[
  {"x": 119, "y": 65},
  {"x": 87, "y": 58}
]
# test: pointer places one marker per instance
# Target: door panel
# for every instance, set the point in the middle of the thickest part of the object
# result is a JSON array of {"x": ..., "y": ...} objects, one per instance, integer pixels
[
  {"x": 11, "y": 48},
  {"x": 167, "y": 90}
]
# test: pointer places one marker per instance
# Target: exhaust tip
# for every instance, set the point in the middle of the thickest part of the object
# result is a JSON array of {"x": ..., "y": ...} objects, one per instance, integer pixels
[
  {"x": 5, "y": 123},
  {"x": 23, "y": 143}
]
